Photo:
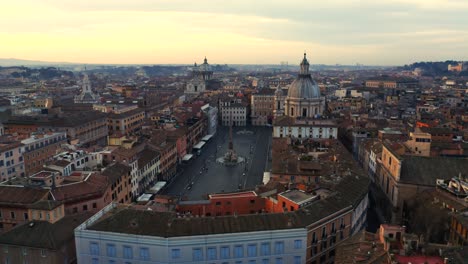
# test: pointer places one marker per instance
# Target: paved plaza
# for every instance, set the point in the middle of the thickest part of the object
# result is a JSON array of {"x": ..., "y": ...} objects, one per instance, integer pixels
[{"x": 203, "y": 175}]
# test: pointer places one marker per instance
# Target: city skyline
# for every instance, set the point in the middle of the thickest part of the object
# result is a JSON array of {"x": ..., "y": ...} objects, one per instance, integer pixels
[{"x": 390, "y": 32}]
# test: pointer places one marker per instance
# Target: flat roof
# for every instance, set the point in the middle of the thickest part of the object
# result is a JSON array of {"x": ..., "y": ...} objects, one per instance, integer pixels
[
  {"x": 35, "y": 138},
  {"x": 42, "y": 175},
  {"x": 158, "y": 186},
  {"x": 297, "y": 196},
  {"x": 232, "y": 195},
  {"x": 187, "y": 157}
]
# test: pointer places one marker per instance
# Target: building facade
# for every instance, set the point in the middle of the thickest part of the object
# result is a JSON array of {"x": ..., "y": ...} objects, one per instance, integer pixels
[
  {"x": 316, "y": 129},
  {"x": 262, "y": 104},
  {"x": 40, "y": 149},
  {"x": 11, "y": 160},
  {"x": 95, "y": 245},
  {"x": 233, "y": 111},
  {"x": 127, "y": 122},
  {"x": 87, "y": 95}
]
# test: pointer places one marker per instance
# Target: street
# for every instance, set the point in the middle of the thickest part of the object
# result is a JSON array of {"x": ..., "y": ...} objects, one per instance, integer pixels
[{"x": 208, "y": 176}]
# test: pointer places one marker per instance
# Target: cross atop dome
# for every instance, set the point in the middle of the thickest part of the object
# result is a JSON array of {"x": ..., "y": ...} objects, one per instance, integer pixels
[
  {"x": 304, "y": 66},
  {"x": 205, "y": 61}
]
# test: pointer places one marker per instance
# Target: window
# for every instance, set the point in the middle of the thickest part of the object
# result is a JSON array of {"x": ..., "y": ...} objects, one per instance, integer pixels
[
  {"x": 252, "y": 250},
  {"x": 127, "y": 252},
  {"x": 175, "y": 253},
  {"x": 197, "y": 254},
  {"x": 111, "y": 261},
  {"x": 265, "y": 249},
  {"x": 111, "y": 252},
  {"x": 238, "y": 251},
  {"x": 85, "y": 207},
  {"x": 297, "y": 260},
  {"x": 43, "y": 253},
  {"x": 265, "y": 261},
  {"x": 224, "y": 253},
  {"x": 25, "y": 216},
  {"x": 279, "y": 261},
  {"x": 279, "y": 247},
  {"x": 12, "y": 214},
  {"x": 239, "y": 262},
  {"x": 24, "y": 251},
  {"x": 252, "y": 261},
  {"x": 211, "y": 253},
  {"x": 144, "y": 254},
  {"x": 313, "y": 251},
  {"x": 94, "y": 248},
  {"x": 297, "y": 244},
  {"x": 94, "y": 261}
]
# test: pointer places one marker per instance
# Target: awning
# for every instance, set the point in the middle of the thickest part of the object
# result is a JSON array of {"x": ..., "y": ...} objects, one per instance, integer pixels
[
  {"x": 144, "y": 197},
  {"x": 187, "y": 157},
  {"x": 266, "y": 177},
  {"x": 199, "y": 145},
  {"x": 158, "y": 186},
  {"x": 207, "y": 137}
]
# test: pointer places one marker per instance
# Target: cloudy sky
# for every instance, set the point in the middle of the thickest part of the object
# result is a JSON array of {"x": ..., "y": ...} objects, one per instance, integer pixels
[{"x": 377, "y": 32}]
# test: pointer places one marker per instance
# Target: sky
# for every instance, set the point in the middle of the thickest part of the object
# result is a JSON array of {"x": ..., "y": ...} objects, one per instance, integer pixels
[{"x": 370, "y": 32}]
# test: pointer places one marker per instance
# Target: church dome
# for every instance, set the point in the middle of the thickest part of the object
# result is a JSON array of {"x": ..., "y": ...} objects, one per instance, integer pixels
[
  {"x": 205, "y": 67},
  {"x": 304, "y": 86}
]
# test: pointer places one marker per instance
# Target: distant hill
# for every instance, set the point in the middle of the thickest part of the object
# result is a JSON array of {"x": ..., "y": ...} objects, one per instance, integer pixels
[
  {"x": 435, "y": 68},
  {"x": 20, "y": 62}
]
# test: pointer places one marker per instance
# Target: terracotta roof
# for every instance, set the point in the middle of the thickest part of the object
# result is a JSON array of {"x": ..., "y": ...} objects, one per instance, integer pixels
[
  {"x": 283, "y": 121},
  {"x": 114, "y": 171},
  {"x": 356, "y": 248},
  {"x": 146, "y": 156},
  {"x": 21, "y": 196},
  {"x": 348, "y": 194},
  {"x": 4, "y": 146},
  {"x": 426, "y": 170},
  {"x": 94, "y": 185},
  {"x": 45, "y": 205},
  {"x": 126, "y": 114},
  {"x": 60, "y": 163},
  {"x": 42, "y": 234}
]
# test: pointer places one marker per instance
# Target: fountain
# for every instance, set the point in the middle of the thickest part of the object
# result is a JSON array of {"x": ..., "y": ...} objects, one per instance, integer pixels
[{"x": 230, "y": 158}]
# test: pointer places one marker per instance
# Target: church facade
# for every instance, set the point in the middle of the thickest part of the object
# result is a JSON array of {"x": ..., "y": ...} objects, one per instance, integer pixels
[
  {"x": 87, "y": 96},
  {"x": 299, "y": 114},
  {"x": 200, "y": 75}
]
